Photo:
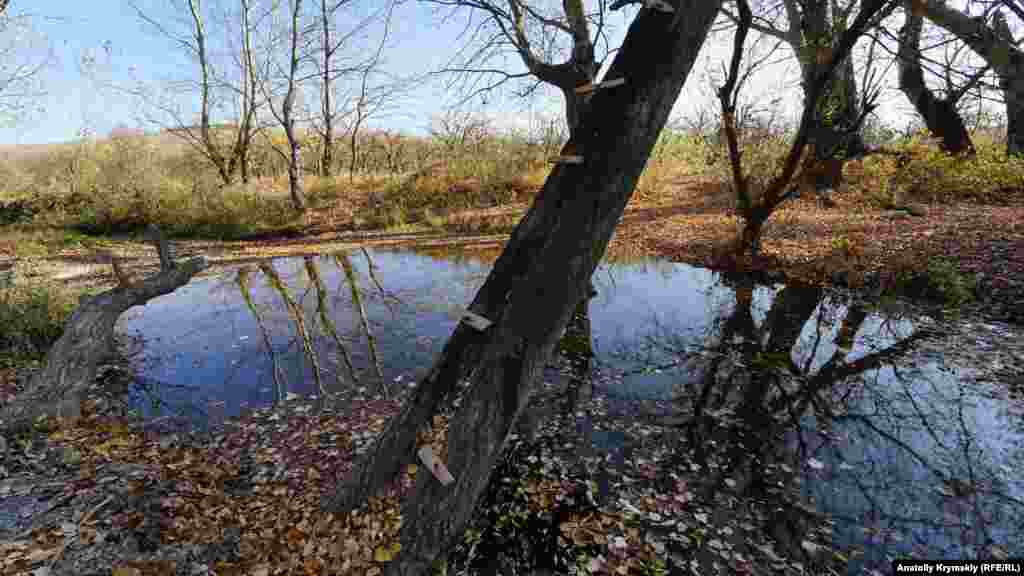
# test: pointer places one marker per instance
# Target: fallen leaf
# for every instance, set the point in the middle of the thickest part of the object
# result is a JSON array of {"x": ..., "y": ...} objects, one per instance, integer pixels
[{"x": 386, "y": 553}]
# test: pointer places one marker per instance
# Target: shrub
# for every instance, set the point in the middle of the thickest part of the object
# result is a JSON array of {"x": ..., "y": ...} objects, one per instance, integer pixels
[
  {"x": 941, "y": 282},
  {"x": 930, "y": 175},
  {"x": 32, "y": 318}
]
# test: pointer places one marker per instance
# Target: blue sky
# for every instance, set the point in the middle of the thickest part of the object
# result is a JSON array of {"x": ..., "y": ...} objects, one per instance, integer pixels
[{"x": 422, "y": 42}]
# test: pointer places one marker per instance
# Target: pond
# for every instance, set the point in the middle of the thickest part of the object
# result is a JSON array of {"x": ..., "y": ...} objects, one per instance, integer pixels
[{"x": 907, "y": 434}]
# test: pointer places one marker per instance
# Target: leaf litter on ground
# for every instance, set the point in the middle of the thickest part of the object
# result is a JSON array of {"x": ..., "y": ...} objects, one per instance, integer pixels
[{"x": 246, "y": 498}]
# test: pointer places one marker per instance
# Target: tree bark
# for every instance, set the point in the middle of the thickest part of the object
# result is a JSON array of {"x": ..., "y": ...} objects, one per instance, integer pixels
[
  {"x": 940, "y": 115},
  {"x": 326, "y": 89},
  {"x": 997, "y": 48},
  {"x": 70, "y": 366},
  {"x": 209, "y": 143},
  {"x": 295, "y": 188},
  {"x": 835, "y": 129},
  {"x": 534, "y": 287},
  {"x": 247, "y": 114},
  {"x": 777, "y": 190}
]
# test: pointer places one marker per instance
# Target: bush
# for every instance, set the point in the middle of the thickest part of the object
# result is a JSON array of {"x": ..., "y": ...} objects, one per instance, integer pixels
[
  {"x": 32, "y": 319},
  {"x": 942, "y": 282},
  {"x": 930, "y": 175}
]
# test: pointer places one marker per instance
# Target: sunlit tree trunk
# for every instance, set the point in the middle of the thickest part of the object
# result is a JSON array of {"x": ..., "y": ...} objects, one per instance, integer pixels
[
  {"x": 295, "y": 185},
  {"x": 533, "y": 288}
]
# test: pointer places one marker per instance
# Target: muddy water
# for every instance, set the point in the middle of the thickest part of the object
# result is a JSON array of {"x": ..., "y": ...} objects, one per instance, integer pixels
[{"x": 907, "y": 433}]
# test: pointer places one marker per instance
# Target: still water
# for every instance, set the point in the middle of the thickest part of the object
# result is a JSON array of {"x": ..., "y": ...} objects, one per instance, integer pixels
[{"x": 901, "y": 440}]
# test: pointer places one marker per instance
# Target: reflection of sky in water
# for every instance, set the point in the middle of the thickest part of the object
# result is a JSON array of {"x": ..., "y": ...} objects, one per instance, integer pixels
[
  {"x": 204, "y": 338},
  {"x": 905, "y": 428}
]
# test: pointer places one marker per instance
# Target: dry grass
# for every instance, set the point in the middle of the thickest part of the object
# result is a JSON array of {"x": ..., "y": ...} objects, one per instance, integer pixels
[{"x": 682, "y": 208}]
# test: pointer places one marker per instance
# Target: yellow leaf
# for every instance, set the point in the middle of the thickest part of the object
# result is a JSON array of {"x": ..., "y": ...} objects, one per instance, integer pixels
[{"x": 385, "y": 553}]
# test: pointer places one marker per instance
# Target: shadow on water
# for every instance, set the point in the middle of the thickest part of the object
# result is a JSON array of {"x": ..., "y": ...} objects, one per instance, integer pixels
[{"x": 797, "y": 401}]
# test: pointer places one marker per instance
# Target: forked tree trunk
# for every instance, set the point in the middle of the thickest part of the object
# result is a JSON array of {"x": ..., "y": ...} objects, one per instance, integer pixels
[
  {"x": 70, "y": 366},
  {"x": 940, "y": 115},
  {"x": 835, "y": 131},
  {"x": 533, "y": 288},
  {"x": 755, "y": 214}
]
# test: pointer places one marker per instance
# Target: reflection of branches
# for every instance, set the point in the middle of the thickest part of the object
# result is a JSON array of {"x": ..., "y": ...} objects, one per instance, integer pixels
[
  {"x": 971, "y": 477},
  {"x": 357, "y": 303},
  {"x": 835, "y": 372},
  {"x": 981, "y": 512},
  {"x": 891, "y": 438},
  {"x": 386, "y": 297},
  {"x": 818, "y": 333},
  {"x": 296, "y": 312},
  {"x": 154, "y": 389},
  {"x": 243, "y": 285},
  {"x": 909, "y": 396},
  {"x": 321, "y": 308}
]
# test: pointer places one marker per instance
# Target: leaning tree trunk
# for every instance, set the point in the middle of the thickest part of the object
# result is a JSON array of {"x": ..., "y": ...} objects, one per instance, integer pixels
[
  {"x": 70, "y": 366},
  {"x": 534, "y": 287},
  {"x": 940, "y": 115}
]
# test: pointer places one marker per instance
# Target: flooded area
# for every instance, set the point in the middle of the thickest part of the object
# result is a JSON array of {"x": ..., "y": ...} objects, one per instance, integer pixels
[{"x": 897, "y": 434}]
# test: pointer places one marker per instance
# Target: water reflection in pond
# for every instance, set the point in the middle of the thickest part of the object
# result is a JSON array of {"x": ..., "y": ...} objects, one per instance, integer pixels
[{"x": 887, "y": 434}]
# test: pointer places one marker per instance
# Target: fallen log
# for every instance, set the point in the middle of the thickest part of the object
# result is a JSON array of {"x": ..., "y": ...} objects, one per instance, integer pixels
[{"x": 71, "y": 364}]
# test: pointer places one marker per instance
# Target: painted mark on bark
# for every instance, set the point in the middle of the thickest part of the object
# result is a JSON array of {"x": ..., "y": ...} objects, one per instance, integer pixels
[{"x": 436, "y": 467}]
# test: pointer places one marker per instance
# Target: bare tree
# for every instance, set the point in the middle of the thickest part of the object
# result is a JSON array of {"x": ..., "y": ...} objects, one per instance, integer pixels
[
  {"x": 994, "y": 42},
  {"x": 538, "y": 35},
  {"x": 248, "y": 92},
  {"x": 812, "y": 29},
  {"x": 20, "y": 67},
  {"x": 329, "y": 72},
  {"x": 940, "y": 115},
  {"x": 533, "y": 288},
  {"x": 371, "y": 98},
  {"x": 754, "y": 118},
  {"x": 755, "y": 211},
  {"x": 287, "y": 117},
  {"x": 328, "y": 48},
  {"x": 286, "y": 112},
  {"x": 206, "y": 138}
]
